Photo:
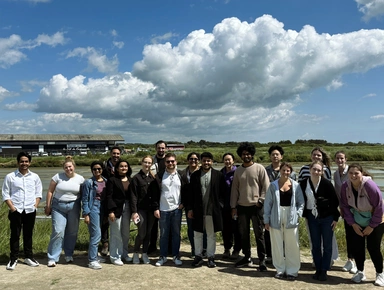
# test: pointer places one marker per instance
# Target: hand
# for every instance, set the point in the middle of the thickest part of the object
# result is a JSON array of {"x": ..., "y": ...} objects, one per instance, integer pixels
[
  {"x": 112, "y": 217},
  {"x": 367, "y": 231},
  {"x": 234, "y": 212},
  {"x": 358, "y": 230},
  {"x": 47, "y": 210},
  {"x": 134, "y": 216},
  {"x": 181, "y": 206},
  {"x": 156, "y": 213},
  {"x": 190, "y": 214},
  {"x": 266, "y": 227},
  {"x": 87, "y": 220},
  {"x": 333, "y": 225}
]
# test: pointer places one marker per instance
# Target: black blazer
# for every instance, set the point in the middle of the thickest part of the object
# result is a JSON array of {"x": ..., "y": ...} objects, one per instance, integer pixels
[{"x": 116, "y": 195}]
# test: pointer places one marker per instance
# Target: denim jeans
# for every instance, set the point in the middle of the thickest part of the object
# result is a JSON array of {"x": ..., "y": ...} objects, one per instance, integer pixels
[
  {"x": 321, "y": 236},
  {"x": 65, "y": 226},
  {"x": 94, "y": 230},
  {"x": 170, "y": 221},
  {"x": 119, "y": 235}
]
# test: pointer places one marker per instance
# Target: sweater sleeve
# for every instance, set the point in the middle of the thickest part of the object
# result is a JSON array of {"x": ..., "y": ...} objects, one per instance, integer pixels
[
  {"x": 268, "y": 203},
  {"x": 376, "y": 200}
]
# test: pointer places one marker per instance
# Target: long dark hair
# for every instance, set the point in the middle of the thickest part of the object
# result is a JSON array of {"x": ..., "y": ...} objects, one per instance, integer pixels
[{"x": 129, "y": 172}]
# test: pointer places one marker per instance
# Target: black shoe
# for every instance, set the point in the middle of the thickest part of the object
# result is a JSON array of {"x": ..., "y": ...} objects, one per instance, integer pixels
[
  {"x": 316, "y": 275},
  {"x": 197, "y": 262},
  {"x": 323, "y": 275},
  {"x": 204, "y": 254},
  {"x": 262, "y": 266},
  {"x": 291, "y": 278},
  {"x": 244, "y": 262},
  {"x": 226, "y": 254},
  {"x": 211, "y": 262}
]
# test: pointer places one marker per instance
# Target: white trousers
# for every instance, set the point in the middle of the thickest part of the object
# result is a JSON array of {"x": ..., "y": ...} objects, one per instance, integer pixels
[{"x": 211, "y": 238}]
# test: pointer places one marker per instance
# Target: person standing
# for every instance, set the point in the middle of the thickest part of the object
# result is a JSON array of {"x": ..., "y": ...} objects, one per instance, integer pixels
[
  {"x": 22, "y": 192},
  {"x": 249, "y": 186},
  {"x": 207, "y": 187},
  {"x": 168, "y": 194}
]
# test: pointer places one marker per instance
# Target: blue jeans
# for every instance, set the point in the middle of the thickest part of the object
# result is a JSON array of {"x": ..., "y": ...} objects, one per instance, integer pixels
[
  {"x": 94, "y": 230},
  {"x": 321, "y": 233},
  {"x": 65, "y": 226},
  {"x": 170, "y": 221}
]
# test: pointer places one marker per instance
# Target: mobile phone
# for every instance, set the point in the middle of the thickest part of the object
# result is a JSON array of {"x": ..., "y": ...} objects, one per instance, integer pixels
[{"x": 137, "y": 220}]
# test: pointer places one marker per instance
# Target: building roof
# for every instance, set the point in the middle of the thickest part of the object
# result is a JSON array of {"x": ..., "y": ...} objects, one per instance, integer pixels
[{"x": 60, "y": 137}]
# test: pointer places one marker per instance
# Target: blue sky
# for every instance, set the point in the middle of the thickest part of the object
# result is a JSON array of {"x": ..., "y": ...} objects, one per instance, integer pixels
[{"x": 219, "y": 70}]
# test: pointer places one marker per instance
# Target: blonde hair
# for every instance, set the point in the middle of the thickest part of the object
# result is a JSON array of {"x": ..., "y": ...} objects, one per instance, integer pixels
[
  {"x": 150, "y": 157},
  {"x": 69, "y": 158}
]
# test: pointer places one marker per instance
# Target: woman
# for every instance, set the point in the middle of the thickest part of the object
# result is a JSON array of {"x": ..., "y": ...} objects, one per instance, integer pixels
[
  {"x": 119, "y": 213},
  {"x": 142, "y": 214},
  {"x": 231, "y": 235},
  {"x": 340, "y": 176},
  {"x": 63, "y": 203},
  {"x": 92, "y": 194},
  {"x": 283, "y": 206},
  {"x": 322, "y": 215},
  {"x": 362, "y": 206}
]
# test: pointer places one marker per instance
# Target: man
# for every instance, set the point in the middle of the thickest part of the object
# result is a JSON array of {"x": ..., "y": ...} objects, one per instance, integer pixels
[
  {"x": 276, "y": 153},
  {"x": 22, "y": 192},
  {"x": 207, "y": 187},
  {"x": 249, "y": 186},
  {"x": 157, "y": 166},
  {"x": 108, "y": 171},
  {"x": 167, "y": 194}
]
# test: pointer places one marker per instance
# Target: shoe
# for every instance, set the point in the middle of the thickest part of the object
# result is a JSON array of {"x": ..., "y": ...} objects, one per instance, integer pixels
[
  {"x": 291, "y": 278},
  {"x": 31, "y": 262},
  {"x": 204, "y": 254},
  {"x": 145, "y": 259},
  {"x": 358, "y": 277},
  {"x": 279, "y": 276},
  {"x": 348, "y": 266},
  {"x": 69, "y": 259},
  {"x": 197, "y": 262},
  {"x": 211, "y": 262},
  {"x": 379, "y": 279},
  {"x": 101, "y": 259},
  {"x": 192, "y": 253},
  {"x": 117, "y": 262},
  {"x": 316, "y": 275},
  {"x": 177, "y": 261},
  {"x": 95, "y": 265},
  {"x": 262, "y": 266},
  {"x": 354, "y": 269},
  {"x": 12, "y": 265},
  {"x": 226, "y": 254},
  {"x": 51, "y": 263},
  {"x": 104, "y": 250},
  {"x": 313, "y": 265},
  {"x": 129, "y": 259},
  {"x": 235, "y": 255},
  {"x": 136, "y": 259},
  {"x": 162, "y": 260},
  {"x": 323, "y": 275},
  {"x": 244, "y": 262},
  {"x": 268, "y": 260}
]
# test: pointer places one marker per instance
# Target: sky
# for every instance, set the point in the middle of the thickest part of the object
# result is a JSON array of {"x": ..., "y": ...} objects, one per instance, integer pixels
[{"x": 215, "y": 70}]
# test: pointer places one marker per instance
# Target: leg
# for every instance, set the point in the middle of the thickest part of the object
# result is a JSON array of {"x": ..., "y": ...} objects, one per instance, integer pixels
[
  {"x": 268, "y": 247},
  {"x": 227, "y": 229},
  {"x": 258, "y": 229},
  {"x": 59, "y": 223},
  {"x": 244, "y": 229},
  {"x": 28, "y": 221},
  {"x": 154, "y": 236},
  {"x": 211, "y": 237},
  {"x": 198, "y": 237},
  {"x": 125, "y": 229},
  {"x": 116, "y": 241},
  {"x": 373, "y": 246},
  {"x": 150, "y": 221},
  {"x": 348, "y": 234},
  {"x": 358, "y": 250},
  {"x": 164, "y": 223},
  {"x": 15, "y": 225},
  {"x": 72, "y": 228},
  {"x": 327, "y": 237},
  {"x": 190, "y": 234},
  {"x": 141, "y": 230},
  {"x": 277, "y": 249},
  {"x": 176, "y": 228},
  {"x": 315, "y": 234},
  {"x": 104, "y": 228},
  {"x": 94, "y": 231},
  {"x": 292, "y": 251}
]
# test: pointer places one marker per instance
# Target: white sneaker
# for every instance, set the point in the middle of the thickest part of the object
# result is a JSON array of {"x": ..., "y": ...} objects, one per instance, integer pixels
[
  {"x": 348, "y": 266},
  {"x": 12, "y": 265},
  {"x": 101, "y": 259},
  {"x": 162, "y": 260},
  {"x": 31, "y": 262},
  {"x": 117, "y": 262},
  {"x": 145, "y": 258},
  {"x": 354, "y": 269},
  {"x": 379, "y": 279},
  {"x": 136, "y": 259},
  {"x": 128, "y": 259},
  {"x": 51, "y": 263},
  {"x": 95, "y": 265},
  {"x": 69, "y": 259},
  {"x": 358, "y": 277},
  {"x": 177, "y": 261}
]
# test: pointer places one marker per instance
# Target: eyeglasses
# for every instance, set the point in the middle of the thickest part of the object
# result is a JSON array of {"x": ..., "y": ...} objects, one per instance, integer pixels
[
  {"x": 170, "y": 161},
  {"x": 97, "y": 169},
  {"x": 193, "y": 159}
]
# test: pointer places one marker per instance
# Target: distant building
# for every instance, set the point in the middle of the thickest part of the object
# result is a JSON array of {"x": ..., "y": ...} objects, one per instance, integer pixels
[{"x": 175, "y": 147}]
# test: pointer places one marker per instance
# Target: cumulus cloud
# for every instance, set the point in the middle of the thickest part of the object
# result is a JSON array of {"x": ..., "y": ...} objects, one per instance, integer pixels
[
  {"x": 377, "y": 117},
  {"x": 371, "y": 8},
  {"x": 19, "y": 106},
  {"x": 162, "y": 38},
  {"x": 28, "y": 86},
  {"x": 3, "y": 93},
  {"x": 96, "y": 59},
  {"x": 118, "y": 44},
  {"x": 11, "y": 48}
]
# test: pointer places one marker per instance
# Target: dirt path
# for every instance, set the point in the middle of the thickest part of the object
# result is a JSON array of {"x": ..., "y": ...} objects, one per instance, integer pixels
[{"x": 224, "y": 276}]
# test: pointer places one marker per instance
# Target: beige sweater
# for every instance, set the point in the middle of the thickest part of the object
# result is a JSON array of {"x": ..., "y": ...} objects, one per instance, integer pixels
[{"x": 249, "y": 185}]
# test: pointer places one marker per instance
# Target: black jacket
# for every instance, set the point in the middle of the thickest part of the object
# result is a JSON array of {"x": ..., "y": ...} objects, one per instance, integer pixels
[
  {"x": 116, "y": 195},
  {"x": 138, "y": 192}
]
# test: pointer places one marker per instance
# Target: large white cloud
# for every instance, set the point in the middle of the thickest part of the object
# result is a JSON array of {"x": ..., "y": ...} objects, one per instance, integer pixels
[{"x": 371, "y": 8}]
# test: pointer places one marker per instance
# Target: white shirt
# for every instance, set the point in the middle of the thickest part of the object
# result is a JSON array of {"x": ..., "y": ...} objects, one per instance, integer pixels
[
  {"x": 170, "y": 192},
  {"x": 67, "y": 188},
  {"x": 22, "y": 190}
]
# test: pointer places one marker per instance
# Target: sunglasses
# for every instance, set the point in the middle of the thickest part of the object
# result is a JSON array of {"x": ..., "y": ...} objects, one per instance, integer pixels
[
  {"x": 170, "y": 161},
  {"x": 97, "y": 169}
]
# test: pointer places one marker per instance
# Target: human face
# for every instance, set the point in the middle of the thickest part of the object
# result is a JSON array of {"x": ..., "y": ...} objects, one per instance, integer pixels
[
  {"x": 97, "y": 170},
  {"x": 228, "y": 161},
  {"x": 275, "y": 156},
  {"x": 160, "y": 149},
  {"x": 285, "y": 171},
  {"x": 69, "y": 169},
  {"x": 340, "y": 160},
  {"x": 317, "y": 156},
  {"x": 246, "y": 156},
  {"x": 115, "y": 155},
  {"x": 206, "y": 163},
  {"x": 193, "y": 160},
  {"x": 316, "y": 170},
  {"x": 170, "y": 163},
  {"x": 24, "y": 164},
  {"x": 355, "y": 175},
  {"x": 146, "y": 164},
  {"x": 123, "y": 169}
]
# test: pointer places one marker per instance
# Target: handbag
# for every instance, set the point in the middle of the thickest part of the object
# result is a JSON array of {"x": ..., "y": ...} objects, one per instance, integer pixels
[{"x": 362, "y": 218}]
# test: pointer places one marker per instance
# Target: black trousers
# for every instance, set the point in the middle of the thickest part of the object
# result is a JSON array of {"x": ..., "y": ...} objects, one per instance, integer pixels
[
  {"x": 231, "y": 234},
  {"x": 18, "y": 222}
]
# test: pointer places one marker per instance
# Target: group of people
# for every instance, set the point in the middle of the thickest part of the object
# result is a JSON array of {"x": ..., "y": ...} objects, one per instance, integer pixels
[{"x": 213, "y": 201}]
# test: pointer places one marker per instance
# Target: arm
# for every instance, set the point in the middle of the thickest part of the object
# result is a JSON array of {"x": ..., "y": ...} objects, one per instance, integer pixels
[
  {"x": 300, "y": 202},
  {"x": 111, "y": 205},
  {"x": 7, "y": 195},
  {"x": 48, "y": 200},
  {"x": 234, "y": 194},
  {"x": 268, "y": 205},
  {"x": 376, "y": 201},
  {"x": 86, "y": 188},
  {"x": 38, "y": 191},
  {"x": 263, "y": 185}
]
